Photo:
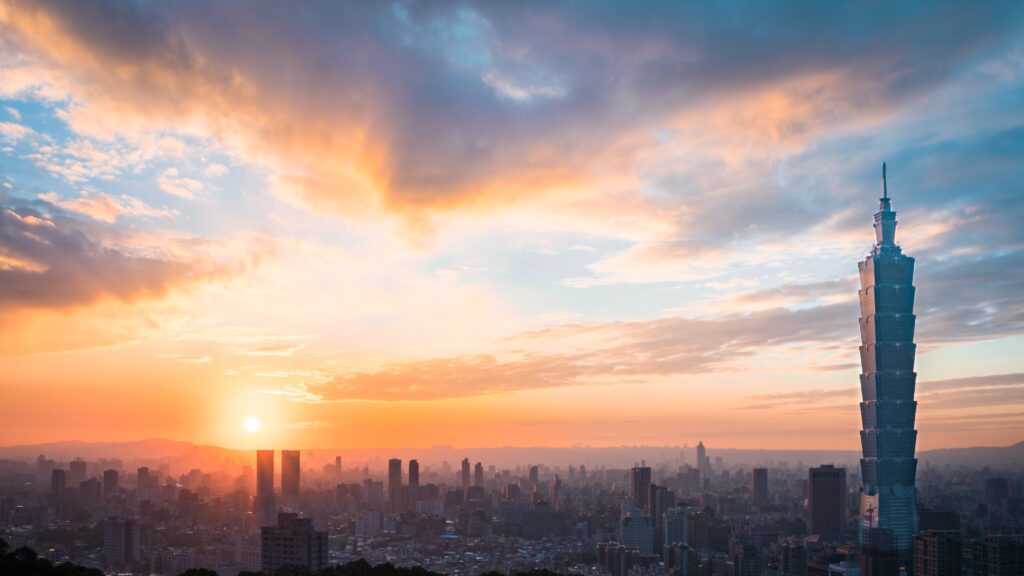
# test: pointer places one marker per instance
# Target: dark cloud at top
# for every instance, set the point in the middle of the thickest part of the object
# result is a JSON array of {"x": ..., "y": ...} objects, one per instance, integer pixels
[{"x": 456, "y": 96}]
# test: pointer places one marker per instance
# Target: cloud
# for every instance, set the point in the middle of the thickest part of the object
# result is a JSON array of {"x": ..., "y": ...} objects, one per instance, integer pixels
[
  {"x": 13, "y": 132},
  {"x": 591, "y": 353},
  {"x": 106, "y": 208},
  {"x": 56, "y": 262},
  {"x": 171, "y": 182},
  {"x": 418, "y": 108}
]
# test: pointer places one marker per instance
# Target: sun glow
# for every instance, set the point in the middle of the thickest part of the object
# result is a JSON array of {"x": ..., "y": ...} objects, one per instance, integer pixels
[{"x": 252, "y": 424}]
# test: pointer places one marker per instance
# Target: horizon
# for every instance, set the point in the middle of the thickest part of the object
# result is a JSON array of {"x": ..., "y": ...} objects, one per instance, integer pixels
[{"x": 376, "y": 225}]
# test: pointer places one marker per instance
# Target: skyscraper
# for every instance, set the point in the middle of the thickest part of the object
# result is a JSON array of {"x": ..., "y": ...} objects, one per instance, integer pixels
[
  {"x": 76, "y": 472},
  {"x": 414, "y": 483},
  {"x": 263, "y": 506},
  {"x": 888, "y": 438},
  {"x": 478, "y": 474},
  {"x": 121, "y": 542},
  {"x": 937, "y": 554},
  {"x": 293, "y": 542},
  {"x": 111, "y": 480},
  {"x": 826, "y": 500},
  {"x": 58, "y": 482},
  {"x": 759, "y": 487},
  {"x": 640, "y": 483},
  {"x": 395, "y": 485},
  {"x": 465, "y": 473},
  {"x": 290, "y": 476},
  {"x": 414, "y": 472}
]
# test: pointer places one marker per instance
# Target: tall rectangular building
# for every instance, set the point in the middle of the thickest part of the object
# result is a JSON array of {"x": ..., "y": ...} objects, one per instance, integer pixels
[
  {"x": 264, "y": 507},
  {"x": 395, "y": 485},
  {"x": 759, "y": 487},
  {"x": 292, "y": 542},
  {"x": 826, "y": 500},
  {"x": 111, "y": 481},
  {"x": 937, "y": 554},
  {"x": 121, "y": 542},
  {"x": 640, "y": 485},
  {"x": 291, "y": 470},
  {"x": 888, "y": 438}
]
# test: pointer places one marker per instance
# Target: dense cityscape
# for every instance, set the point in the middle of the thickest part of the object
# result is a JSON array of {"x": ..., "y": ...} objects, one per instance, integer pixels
[{"x": 698, "y": 515}]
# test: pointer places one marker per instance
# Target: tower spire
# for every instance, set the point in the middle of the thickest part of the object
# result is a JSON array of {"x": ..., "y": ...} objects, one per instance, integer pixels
[
  {"x": 885, "y": 218},
  {"x": 885, "y": 185}
]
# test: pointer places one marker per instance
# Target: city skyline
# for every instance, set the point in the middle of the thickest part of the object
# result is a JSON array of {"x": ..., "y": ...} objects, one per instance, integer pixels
[{"x": 406, "y": 225}]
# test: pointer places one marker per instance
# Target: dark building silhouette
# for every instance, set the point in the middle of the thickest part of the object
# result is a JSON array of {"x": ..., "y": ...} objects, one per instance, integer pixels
[
  {"x": 264, "y": 507},
  {"x": 938, "y": 554},
  {"x": 293, "y": 542},
  {"x": 878, "y": 553},
  {"x": 291, "y": 470},
  {"x": 1001, "y": 555},
  {"x": 888, "y": 438},
  {"x": 826, "y": 500},
  {"x": 121, "y": 542},
  {"x": 465, "y": 473},
  {"x": 395, "y": 503},
  {"x": 414, "y": 473},
  {"x": 794, "y": 560},
  {"x": 759, "y": 487},
  {"x": 77, "y": 472},
  {"x": 640, "y": 482},
  {"x": 58, "y": 483},
  {"x": 111, "y": 480},
  {"x": 478, "y": 474},
  {"x": 747, "y": 561}
]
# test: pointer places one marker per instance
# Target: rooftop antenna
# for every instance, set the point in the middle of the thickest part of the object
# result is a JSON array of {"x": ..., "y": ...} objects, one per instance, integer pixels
[{"x": 885, "y": 185}]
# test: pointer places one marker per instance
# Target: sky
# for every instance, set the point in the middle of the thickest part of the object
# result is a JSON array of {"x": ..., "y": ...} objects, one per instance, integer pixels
[{"x": 406, "y": 224}]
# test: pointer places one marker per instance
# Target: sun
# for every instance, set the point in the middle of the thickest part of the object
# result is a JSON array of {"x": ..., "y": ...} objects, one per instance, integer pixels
[{"x": 252, "y": 424}]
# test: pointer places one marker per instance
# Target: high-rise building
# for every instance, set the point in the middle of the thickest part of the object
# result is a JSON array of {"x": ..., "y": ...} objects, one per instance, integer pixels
[
  {"x": 747, "y": 561},
  {"x": 674, "y": 527},
  {"x": 290, "y": 477},
  {"x": 637, "y": 531},
  {"x": 414, "y": 473},
  {"x": 465, "y": 473},
  {"x": 878, "y": 555},
  {"x": 998, "y": 555},
  {"x": 111, "y": 480},
  {"x": 293, "y": 542},
  {"x": 58, "y": 482},
  {"x": 826, "y": 500},
  {"x": 395, "y": 503},
  {"x": 640, "y": 485},
  {"x": 888, "y": 438},
  {"x": 703, "y": 462},
  {"x": 142, "y": 478},
  {"x": 534, "y": 475},
  {"x": 121, "y": 545},
  {"x": 659, "y": 500},
  {"x": 264, "y": 507},
  {"x": 76, "y": 472},
  {"x": 937, "y": 554},
  {"x": 478, "y": 474},
  {"x": 759, "y": 487},
  {"x": 794, "y": 559}
]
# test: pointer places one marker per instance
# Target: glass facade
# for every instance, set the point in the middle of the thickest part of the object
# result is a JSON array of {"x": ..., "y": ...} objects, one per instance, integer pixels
[{"x": 888, "y": 410}]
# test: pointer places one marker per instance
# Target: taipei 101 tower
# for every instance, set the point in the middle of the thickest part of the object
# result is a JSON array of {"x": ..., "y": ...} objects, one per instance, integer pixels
[{"x": 889, "y": 498}]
